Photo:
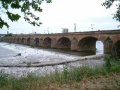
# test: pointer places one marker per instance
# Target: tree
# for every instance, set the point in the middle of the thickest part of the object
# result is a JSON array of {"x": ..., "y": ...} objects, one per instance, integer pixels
[
  {"x": 109, "y": 3},
  {"x": 27, "y": 7}
]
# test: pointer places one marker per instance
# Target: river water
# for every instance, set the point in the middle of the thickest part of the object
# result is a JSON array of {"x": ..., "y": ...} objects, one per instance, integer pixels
[{"x": 9, "y": 56}]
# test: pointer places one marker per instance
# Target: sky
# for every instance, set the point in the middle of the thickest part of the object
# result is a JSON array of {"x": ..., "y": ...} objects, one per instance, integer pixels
[{"x": 88, "y": 15}]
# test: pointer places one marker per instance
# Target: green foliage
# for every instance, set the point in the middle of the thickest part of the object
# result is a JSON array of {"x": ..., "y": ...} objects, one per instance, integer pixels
[
  {"x": 112, "y": 63},
  {"x": 2, "y": 23},
  {"x": 13, "y": 17},
  {"x": 3, "y": 79},
  {"x": 109, "y": 3},
  {"x": 15, "y": 4},
  {"x": 27, "y": 7},
  {"x": 107, "y": 62}
]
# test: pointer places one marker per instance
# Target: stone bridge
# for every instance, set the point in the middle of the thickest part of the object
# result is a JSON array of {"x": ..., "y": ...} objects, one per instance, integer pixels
[{"x": 77, "y": 41}]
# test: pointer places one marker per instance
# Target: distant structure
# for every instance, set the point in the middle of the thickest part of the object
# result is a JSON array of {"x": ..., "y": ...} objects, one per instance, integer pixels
[
  {"x": 65, "y": 30},
  {"x": 92, "y": 26},
  {"x": 74, "y": 27}
]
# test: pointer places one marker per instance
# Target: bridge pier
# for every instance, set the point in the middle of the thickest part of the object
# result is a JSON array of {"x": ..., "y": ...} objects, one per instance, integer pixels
[
  {"x": 108, "y": 46},
  {"x": 53, "y": 43},
  {"x": 32, "y": 42},
  {"x": 74, "y": 44},
  {"x": 41, "y": 42}
]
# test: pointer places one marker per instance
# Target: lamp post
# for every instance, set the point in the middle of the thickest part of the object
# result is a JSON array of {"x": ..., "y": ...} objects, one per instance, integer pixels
[
  {"x": 74, "y": 27},
  {"x": 92, "y": 26}
]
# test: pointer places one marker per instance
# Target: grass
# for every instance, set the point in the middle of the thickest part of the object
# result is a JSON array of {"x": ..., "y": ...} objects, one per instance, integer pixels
[{"x": 83, "y": 78}]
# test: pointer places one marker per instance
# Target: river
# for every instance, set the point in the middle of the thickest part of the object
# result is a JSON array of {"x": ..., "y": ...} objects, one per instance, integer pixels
[{"x": 9, "y": 56}]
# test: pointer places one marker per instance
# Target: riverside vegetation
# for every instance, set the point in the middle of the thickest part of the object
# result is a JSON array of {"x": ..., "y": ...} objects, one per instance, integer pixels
[{"x": 106, "y": 77}]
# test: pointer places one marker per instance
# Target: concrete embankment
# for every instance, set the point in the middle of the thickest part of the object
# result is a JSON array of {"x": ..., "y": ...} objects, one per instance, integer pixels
[{"x": 53, "y": 63}]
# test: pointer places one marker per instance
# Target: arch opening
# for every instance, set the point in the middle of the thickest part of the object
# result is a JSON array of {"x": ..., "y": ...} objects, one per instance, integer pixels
[
  {"x": 14, "y": 40},
  {"x": 116, "y": 48},
  {"x": 18, "y": 40},
  {"x": 64, "y": 43},
  {"x": 28, "y": 41},
  {"x": 99, "y": 47},
  {"x": 36, "y": 41},
  {"x": 23, "y": 40},
  {"x": 47, "y": 42},
  {"x": 88, "y": 45}
]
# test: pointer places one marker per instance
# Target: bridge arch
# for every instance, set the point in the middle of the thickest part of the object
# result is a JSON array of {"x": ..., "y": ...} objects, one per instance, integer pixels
[
  {"x": 23, "y": 41},
  {"x": 116, "y": 48},
  {"x": 64, "y": 43},
  {"x": 14, "y": 39},
  {"x": 47, "y": 42},
  {"x": 18, "y": 40},
  {"x": 99, "y": 47},
  {"x": 87, "y": 44},
  {"x": 36, "y": 41}
]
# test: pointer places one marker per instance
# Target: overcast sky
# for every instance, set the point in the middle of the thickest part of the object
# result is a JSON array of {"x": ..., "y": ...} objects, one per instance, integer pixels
[{"x": 65, "y": 13}]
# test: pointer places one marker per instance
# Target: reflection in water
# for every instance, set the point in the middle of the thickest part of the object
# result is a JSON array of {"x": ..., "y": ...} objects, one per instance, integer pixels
[{"x": 99, "y": 50}]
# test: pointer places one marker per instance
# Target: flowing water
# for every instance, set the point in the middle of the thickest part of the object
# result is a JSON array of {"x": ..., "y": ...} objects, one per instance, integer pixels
[{"x": 9, "y": 55}]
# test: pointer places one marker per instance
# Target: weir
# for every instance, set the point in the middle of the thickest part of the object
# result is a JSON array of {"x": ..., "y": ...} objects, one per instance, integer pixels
[{"x": 53, "y": 63}]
